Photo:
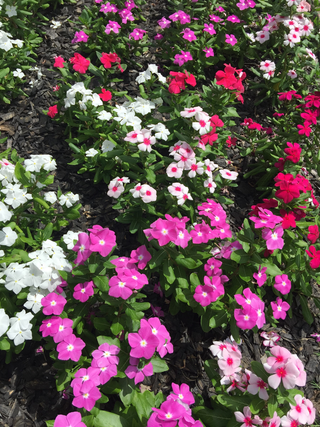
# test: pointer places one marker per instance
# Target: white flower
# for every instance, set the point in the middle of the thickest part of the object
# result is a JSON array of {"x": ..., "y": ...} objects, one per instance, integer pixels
[
  {"x": 292, "y": 74},
  {"x": 104, "y": 115},
  {"x": 4, "y": 322},
  {"x": 142, "y": 106},
  {"x": 7, "y": 236},
  {"x": 20, "y": 327},
  {"x": 161, "y": 131},
  {"x": 15, "y": 280},
  {"x": 143, "y": 76},
  {"x": 18, "y": 73},
  {"x": 96, "y": 100},
  {"x": 225, "y": 173},
  {"x": 262, "y": 36},
  {"x": 11, "y": 11},
  {"x": 161, "y": 78},
  {"x": 38, "y": 161},
  {"x": 34, "y": 298},
  {"x": 70, "y": 238},
  {"x": 68, "y": 199},
  {"x": 5, "y": 214},
  {"x": 107, "y": 146},
  {"x": 18, "y": 42},
  {"x": 82, "y": 105},
  {"x": 153, "y": 68},
  {"x": 50, "y": 197},
  {"x": 55, "y": 24},
  {"x": 91, "y": 152}
]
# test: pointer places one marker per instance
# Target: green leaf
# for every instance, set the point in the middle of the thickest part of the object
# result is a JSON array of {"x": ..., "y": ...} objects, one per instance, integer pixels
[
  {"x": 305, "y": 310},
  {"x": 109, "y": 419},
  {"x": 212, "y": 418},
  {"x": 100, "y": 323},
  {"x": 259, "y": 370},
  {"x": 272, "y": 405},
  {"x": 168, "y": 271},
  {"x": 257, "y": 405},
  {"x": 4, "y": 72},
  {"x": 188, "y": 262},
  {"x": 102, "y": 283},
  {"x": 218, "y": 319},
  {"x": 245, "y": 273},
  {"x": 159, "y": 365},
  {"x": 235, "y": 403},
  {"x": 212, "y": 370},
  {"x": 144, "y": 402}
]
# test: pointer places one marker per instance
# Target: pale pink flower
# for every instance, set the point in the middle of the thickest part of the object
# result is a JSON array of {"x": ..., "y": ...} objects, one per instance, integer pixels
[
  {"x": 190, "y": 112},
  {"x": 228, "y": 174},
  {"x": 116, "y": 188},
  {"x": 173, "y": 171},
  {"x": 148, "y": 194},
  {"x": 262, "y": 36},
  {"x": 299, "y": 411},
  {"x": 257, "y": 385},
  {"x": 246, "y": 418}
]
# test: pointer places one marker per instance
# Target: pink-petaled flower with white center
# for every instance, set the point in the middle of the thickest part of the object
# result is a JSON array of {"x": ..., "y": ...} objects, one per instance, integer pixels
[
  {"x": 182, "y": 393},
  {"x": 188, "y": 35},
  {"x": 196, "y": 168},
  {"x": 231, "y": 39},
  {"x": 141, "y": 256},
  {"x": 225, "y": 173},
  {"x": 246, "y": 418},
  {"x": 133, "y": 278},
  {"x": 208, "y": 51},
  {"x": 201, "y": 233},
  {"x": 106, "y": 355},
  {"x": 209, "y": 28},
  {"x": 190, "y": 112},
  {"x": 262, "y": 36},
  {"x": 215, "y": 18},
  {"x": 279, "y": 308},
  {"x": 233, "y": 18},
  {"x": 88, "y": 395},
  {"x": 270, "y": 338},
  {"x": 174, "y": 171},
  {"x": 137, "y": 34},
  {"x": 112, "y": 26},
  {"x": 83, "y": 248},
  {"x": 208, "y": 183},
  {"x": 148, "y": 194},
  {"x": 102, "y": 240},
  {"x": 53, "y": 304},
  {"x": 164, "y": 23},
  {"x": 260, "y": 277},
  {"x": 116, "y": 188},
  {"x": 70, "y": 348},
  {"x": 143, "y": 343},
  {"x": 257, "y": 385},
  {"x": 246, "y": 318},
  {"x": 73, "y": 419},
  {"x": 282, "y": 284},
  {"x": 136, "y": 191},
  {"x": 183, "y": 238},
  {"x": 138, "y": 374},
  {"x": 273, "y": 238},
  {"x": 83, "y": 291}
]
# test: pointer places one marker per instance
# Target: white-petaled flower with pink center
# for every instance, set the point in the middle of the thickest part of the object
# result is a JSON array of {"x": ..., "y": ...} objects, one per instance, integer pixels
[
  {"x": 202, "y": 126},
  {"x": 208, "y": 183},
  {"x": 133, "y": 136},
  {"x": 262, "y": 36},
  {"x": 292, "y": 74},
  {"x": 295, "y": 37},
  {"x": 228, "y": 174},
  {"x": 174, "y": 171},
  {"x": 267, "y": 66},
  {"x": 190, "y": 112},
  {"x": 209, "y": 167},
  {"x": 246, "y": 418},
  {"x": 269, "y": 74},
  {"x": 176, "y": 189},
  {"x": 173, "y": 149},
  {"x": 196, "y": 168},
  {"x": 116, "y": 188},
  {"x": 306, "y": 27},
  {"x": 311, "y": 54},
  {"x": 230, "y": 362},
  {"x": 187, "y": 151},
  {"x": 217, "y": 348},
  {"x": 287, "y": 373},
  {"x": 148, "y": 194},
  {"x": 136, "y": 191},
  {"x": 257, "y": 385},
  {"x": 185, "y": 163}
]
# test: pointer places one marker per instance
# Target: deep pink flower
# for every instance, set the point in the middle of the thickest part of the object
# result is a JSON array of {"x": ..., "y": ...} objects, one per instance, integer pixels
[
  {"x": 209, "y": 28},
  {"x": 119, "y": 288},
  {"x": 273, "y": 238},
  {"x": 260, "y": 277},
  {"x": 208, "y": 51},
  {"x": 183, "y": 393},
  {"x": 188, "y": 35},
  {"x": 80, "y": 36},
  {"x": 83, "y": 291},
  {"x": 138, "y": 374},
  {"x": 282, "y": 284},
  {"x": 73, "y": 419},
  {"x": 102, "y": 241},
  {"x": 164, "y": 23},
  {"x": 105, "y": 355},
  {"x": 53, "y": 304},
  {"x": 83, "y": 248},
  {"x": 279, "y": 308},
  {"x": 141, "y": 256},
  {"x": 137, "y": 34},
  {"x": 230, "y": 39},
  {"x": 64, "y": 329},
  {"x": 70, "y": 348},
  {"x": 246, "y": 318},
  {"x": 50, "y": 326},
  {"x": 82, "y": 375},
  {"x": 143, "y": 343},
  {"x": 88, "y": 395}
]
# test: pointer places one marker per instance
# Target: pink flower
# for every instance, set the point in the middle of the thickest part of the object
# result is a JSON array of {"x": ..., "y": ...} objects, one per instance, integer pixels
[
  {"x": 257, "y": 385},
  {"x": 64, "y": 329},
  {"x": 164, "y": 23},
  {"x": 280, "y": 308},
  {"x": 88, "y": 395},
  {"x": 59, "y": 62},
  {"x": 80, "y": 36},
  {"x": 246, "y": 318},
  {"x": 137, "y": 34},
  {"x": 141, "y": 256},
  {"x": 287, "y": 374},
  {"x": 102, "y": 240},
  {"x": 270, "y": 338},
  {"x": 188, "y": 35},
  {"x": 273, "y": 238},
  {"x": 209, "y": 28},
  {"x": 208, "y": 51},
  {"x": 50, "y": 326},
  {"x": 83, "y": 291},
  {"x": 148, "y": 194},
  {"x": 70, "y": 348},
  {"x": 169, "y": 412},
  {"x": 138, "y": 374},
  {"x": 260, "y": 277},
  {"x": 119, "y": 288},
  {"x": 228, "y": 174},
  {"x": 91, "y": 374},
  {"x": 158, "y": 37},
  {"x": 53, "y": 304},
  {"x": 282, "y": 284},
  {"x": 116, "y": 188},
  {"x": 229, "y": 363},
  {"x": 230, "y": 39},
  {"x": 183, "y": 393},
  {"x": 233, "y": 18},
  {"x": 299, "y": 411},
  {"x": 215, "y": 18},
  {"x": 73, "y": 419},
  {"x": 143, "y": 343},
  {"x": 112, "y": 26},
  {"x": 106, "y": 355}
]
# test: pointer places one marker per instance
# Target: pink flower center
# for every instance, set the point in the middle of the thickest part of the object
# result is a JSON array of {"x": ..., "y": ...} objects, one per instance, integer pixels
[
  {"x": 281, "y": 372},
  {"x": 229, "y": 361},
  {"x": 174, "y": 169},
  {"x": 202, "y": 123},
  {"x": 148, "y": 193},
  {"x": 146, "y": 141}
]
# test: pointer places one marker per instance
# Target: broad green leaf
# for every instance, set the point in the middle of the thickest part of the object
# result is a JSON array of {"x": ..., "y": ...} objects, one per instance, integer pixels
[
  {"x": 143, "y": 402},
  {"x": 305, "y": 310},
  {"x": 259, "y": 370},
  {"x": 159, "y": 365},
  {"x": 102, "y": 283}
]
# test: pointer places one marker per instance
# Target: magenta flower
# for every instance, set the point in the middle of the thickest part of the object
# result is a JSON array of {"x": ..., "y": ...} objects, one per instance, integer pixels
[
  {"x": 141, "y": 256},
  {"x": 208, "y": 51},
  {"x": 112, "y": 26},
  {"x": 282, "y": 284},
  {"x": 120, "y": 288},
  {"x": 164, "y": 23},
  {"x": 80, "y": 36},
  {"x": 73, "y": 419},
  {"x": 156, "y": 311},
  {"x": 64, "y": 329},
  {"x": 126, "y": 15},
  {"x": 83, "y": 291},
  {"x": 164, "y": 231},
  {"x": 50, "y": 326},
  {"x": 260, "y": 277},
  {"x": 102, "y": 240},
  {"x": 158, "y": 37},
  {"x": 183, "y": 393},
  {"x": 137, "y": 34},
  {"x": 70, "y": 348},
  {"x": 233, "y": 18},
  {"x": 143, "y": 343},
  {"x": 209, "y": 28},
  {"x": 91, "y": 374},
  {"x": 106, "y": 355},
  {"x": 88, "y": 395},
  {"x": 53, "y": 304},
  {"x": 279, "y": 308},
  {"x": 170, "y": 411},
  {"x": 215, "y": 18},
  {"x": 188, "y": 35},
  {"x": 139, "y": 375},
  {"x": 157, "y": 289},
  {"x": 246, "y": 318},
  {"x": 230, "y": 39},
  {"x": 273, "y": 238},
  {"x": 83, "y": 248},
  {"x": 106, "y": 372}
]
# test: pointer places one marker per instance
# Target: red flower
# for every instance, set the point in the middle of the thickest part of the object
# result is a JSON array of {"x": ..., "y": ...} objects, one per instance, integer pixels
[
  {"x": 294, "y": 152},
  {"x": 178, "y": 82},
  {"x": 107, "y": 59},
  {"x": 53, "y": 111},
  {"x": 305, "y": 129},
  {"x": 59, "y": 62},
  {"x": 313, "y": 233},
  {"x": 209, "y": 137},
  {"x": 105, "y": 95},
  {"x": 80, "y": 63},
  {"x": 287, "y": 96},
  {"x": 280, "y": 164},
  {"x": 314, "y": 100},
  {"x": 231, "y": 141},
  {"x": 216, "y": 121},
  {"x": 288, "y": 219},
  {"x": 254, "y": 125},
  {"x": 315, "y": 255}
]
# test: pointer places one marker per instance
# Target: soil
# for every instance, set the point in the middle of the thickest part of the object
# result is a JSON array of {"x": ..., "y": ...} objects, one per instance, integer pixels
[{"x": 28, "y": 396}]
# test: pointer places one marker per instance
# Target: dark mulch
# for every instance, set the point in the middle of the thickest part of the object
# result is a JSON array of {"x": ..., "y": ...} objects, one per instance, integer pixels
[{"x": 28, "y": 395}]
